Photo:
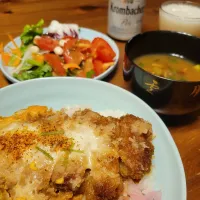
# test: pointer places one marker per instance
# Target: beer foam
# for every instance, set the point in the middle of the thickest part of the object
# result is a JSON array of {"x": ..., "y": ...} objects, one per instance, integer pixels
[{"x": 182, "y": 10}]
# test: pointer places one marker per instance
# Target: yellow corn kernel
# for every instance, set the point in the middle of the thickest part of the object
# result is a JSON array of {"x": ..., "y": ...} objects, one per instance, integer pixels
[
  {"x": 197, "y": 67},
  {"x": 21, "y": 198},
  {"x": 60, "y": 181},
  {"x": 33, "y": 166}
]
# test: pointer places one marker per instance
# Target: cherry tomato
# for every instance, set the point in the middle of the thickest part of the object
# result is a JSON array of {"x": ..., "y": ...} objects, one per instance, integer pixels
[
  {"x": 98, "y": 67},
  {"x": 46, "y": 43},
  {"x": 104, "y": 52},
  {"x": 99, "y": 42},
  {"x": 56, "y": 63}
]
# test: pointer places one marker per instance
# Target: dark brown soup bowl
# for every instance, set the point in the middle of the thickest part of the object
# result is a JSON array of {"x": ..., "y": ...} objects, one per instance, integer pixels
[{"x": 165, "y": 96}]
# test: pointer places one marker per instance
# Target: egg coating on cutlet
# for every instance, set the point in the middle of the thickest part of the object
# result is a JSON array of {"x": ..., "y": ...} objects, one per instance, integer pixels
[{"x": 46, "y": 154}]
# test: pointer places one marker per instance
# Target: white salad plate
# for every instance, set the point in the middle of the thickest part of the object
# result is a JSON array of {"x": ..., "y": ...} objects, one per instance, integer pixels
[
  {"x": 58, "y": 92},
  {"x": 85, "y": 33}
]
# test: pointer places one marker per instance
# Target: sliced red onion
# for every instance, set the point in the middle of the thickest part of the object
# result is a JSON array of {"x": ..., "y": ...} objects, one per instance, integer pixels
[
  {"x": 55, "y": 36},
  {"x": 73, "y": 33},
  {"x": 58, "y": 30}
]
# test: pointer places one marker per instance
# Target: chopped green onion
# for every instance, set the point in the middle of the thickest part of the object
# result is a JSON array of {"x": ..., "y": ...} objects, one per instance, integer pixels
[
  {"x": 77, "y": 151},
  {"x": 182, "y": 78},
  {"x": 172, "y": 69},
  {"x": 141, "y": 64},
  {"x": 44, "y": 152},
  {"x": 60, "y": 132},
  {"x": 66, "y": 157},
  {"x": 90, "y": 74},
  {"x": 74, "y": 150},
  {"x": 72, "y": 145},
  {"x": 172, "y": 59}
]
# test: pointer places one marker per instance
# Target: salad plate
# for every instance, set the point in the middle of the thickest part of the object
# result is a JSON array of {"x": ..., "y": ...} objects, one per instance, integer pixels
[
  {"x": 58, "y": 92},
  {"x": 85, "y": 34}
]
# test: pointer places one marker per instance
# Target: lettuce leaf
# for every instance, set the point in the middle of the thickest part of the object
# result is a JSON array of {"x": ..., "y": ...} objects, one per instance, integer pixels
[
  {"x": 30, "y": 31},
  {"x": 29, "y": 64},
  {"x": 34, "y": 72}
]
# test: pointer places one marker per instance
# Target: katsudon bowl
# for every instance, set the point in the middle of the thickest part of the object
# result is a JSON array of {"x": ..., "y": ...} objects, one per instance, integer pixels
[{"x": 165, "y": 95}]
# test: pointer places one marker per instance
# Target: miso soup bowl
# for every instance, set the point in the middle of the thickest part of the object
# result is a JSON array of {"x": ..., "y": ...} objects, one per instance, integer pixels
[{"x": 165, "y": 96}]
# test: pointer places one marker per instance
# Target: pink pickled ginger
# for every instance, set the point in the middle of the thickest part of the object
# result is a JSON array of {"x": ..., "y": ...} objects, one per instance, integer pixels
[{"x": 134, "y": 191}]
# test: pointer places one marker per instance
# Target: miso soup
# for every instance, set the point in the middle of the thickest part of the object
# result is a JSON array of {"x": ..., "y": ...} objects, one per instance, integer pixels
[{"x": 170, "y": 67}]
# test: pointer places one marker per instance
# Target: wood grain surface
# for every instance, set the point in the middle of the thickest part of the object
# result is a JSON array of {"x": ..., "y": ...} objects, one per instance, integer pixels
[{"x": 14, "y": 14}]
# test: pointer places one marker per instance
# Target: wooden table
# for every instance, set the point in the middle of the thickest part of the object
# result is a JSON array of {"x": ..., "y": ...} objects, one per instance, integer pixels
[{"x": 14, "y": 14}]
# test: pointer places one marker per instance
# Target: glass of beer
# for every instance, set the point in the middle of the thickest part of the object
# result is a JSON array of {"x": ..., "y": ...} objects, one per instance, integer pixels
[{"x": 181, "y": 16}]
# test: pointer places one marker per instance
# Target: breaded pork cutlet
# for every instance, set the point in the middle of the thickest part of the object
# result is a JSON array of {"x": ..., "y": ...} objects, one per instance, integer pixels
[{"x": 49, "y": 155}]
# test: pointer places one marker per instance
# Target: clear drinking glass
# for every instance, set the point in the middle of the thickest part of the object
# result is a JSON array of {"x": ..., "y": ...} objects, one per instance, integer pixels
[{"x": 181, "y": 16}]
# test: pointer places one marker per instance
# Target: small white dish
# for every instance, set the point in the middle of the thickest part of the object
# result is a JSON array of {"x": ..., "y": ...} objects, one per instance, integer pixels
[{"x": 84, "y": 33}]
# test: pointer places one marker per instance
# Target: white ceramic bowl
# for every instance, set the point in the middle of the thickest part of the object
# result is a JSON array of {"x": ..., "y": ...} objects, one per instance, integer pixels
[
  {"x": 168, "y": 170},
  {"x": 84, "y": 33}
]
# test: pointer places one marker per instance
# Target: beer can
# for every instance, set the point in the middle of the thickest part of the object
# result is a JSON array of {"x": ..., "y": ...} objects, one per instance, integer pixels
[{"x": 125, "y": 18}]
